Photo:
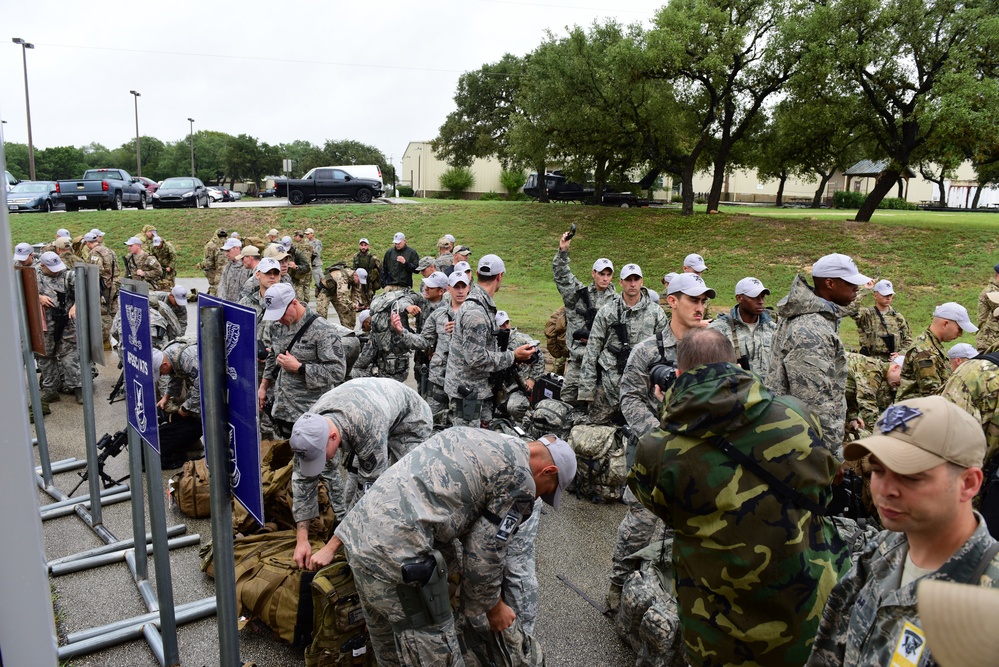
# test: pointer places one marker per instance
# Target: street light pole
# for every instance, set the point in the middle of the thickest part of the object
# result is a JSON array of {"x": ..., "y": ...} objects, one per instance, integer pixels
[
  {"x": 138, "y": 158},
  {"x": 192, "y": 146},
  {"x": 27, "y": 103}
]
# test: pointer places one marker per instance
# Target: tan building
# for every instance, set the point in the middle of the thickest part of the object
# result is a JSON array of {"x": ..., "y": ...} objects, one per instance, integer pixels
[{"x": 421, "y": 170}]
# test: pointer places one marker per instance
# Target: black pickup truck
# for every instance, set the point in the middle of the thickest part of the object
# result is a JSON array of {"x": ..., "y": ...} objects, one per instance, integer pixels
[
  {"x": 327, "y": 183},
  {"x": 102, "y": 188}
]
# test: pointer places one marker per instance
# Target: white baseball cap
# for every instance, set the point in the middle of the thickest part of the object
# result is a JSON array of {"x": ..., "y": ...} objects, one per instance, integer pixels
[
  {"x": 22, "y": 251},
  {"x": 362, "y": 275},
  {"x": 449, "y": 238},
  {"x": 52, "y": 262},
  {"x": 669, "y": 277},
  {"x": 96, "y": 232},
  {"x": 501, "y": 318},
  {"x": 884, "y": 288},
  {"x": 89, "y": 237},
  {"x": 690, "y": 284},
  {"x": 603, "y": 263},
  {"x": 363, "y": 241},
  {"x": 457, "y": 277},
  {"x": 461, "y": 267},
  {"x": 180, "y": 294},
  {"x": 962, "y": 351},
  {"x": 399, "y": 237},
  {"x": 696, "y": 262},
  {"x": 64, "y": 233},
  {"x": 629, "y": 270},
  {"x": 436, "y": 279},
  {"x": 133, "y": 240},
  {"x": 750, "y": 287},
  {"x": 268, "y": 264},
  {"x": 231, "y": 243},
  {"x": 363, "y": 316},
  {"x": 277, "y": 298},
  {"x": 235, "y": 235},
  {"x": 157, "y": 241},
  {"x": 957, "y": 312},
  {"x": 565, "y": 460},
  {"x": 286, "y": 243},
  {"x": 491, "y": 265},
  {"x": 839, "y": 266}
]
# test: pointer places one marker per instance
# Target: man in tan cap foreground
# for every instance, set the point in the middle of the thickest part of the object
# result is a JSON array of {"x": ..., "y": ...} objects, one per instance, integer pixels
[{"x": 925, "y": 459}]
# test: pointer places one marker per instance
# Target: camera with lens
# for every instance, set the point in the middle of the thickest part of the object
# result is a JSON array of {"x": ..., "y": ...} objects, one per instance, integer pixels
[
  {"x": 662, "y": 376},
  {"x": 581, "y": 334}
]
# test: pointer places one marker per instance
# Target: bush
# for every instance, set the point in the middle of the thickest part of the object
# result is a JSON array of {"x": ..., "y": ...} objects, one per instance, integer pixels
[
  {"x": 848, "y": 199},
  {"x": 456, "y": 180},
  {"x": 512, "y": 180},
  {"x": 491, "y": 196},
  {"x": 405, "y": 191},
  {"x": 676, "y": 199},
  {"x": 897, "y": 203},
  {"x": 700, "y": 200}
]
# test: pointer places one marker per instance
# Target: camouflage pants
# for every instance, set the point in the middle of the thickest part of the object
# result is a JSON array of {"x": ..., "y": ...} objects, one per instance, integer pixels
[
  {"x": 570, "y": 385},
  {"x": 603, "y": 410},
  {"x": 61, "y": 364},
  {"x": 323, "y": 304},
  {"x": 637, "y": 530},
  {"x": 520, "y": 581},
  {"x": 430, "y": 645},
  {"x": 485, "y": 413},
  {"x": 440, "y": 405},
  {"x": 558, "y": 365},
  {"x": 107, "y": 316},
  {"x": 302, "y": 293},
  {"x": 513, "y": 646}
]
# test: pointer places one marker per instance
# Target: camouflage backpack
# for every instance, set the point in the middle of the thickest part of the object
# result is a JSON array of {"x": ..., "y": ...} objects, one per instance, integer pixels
[
  {"x": 339, "y": 636},
  {"x": 647, "y": 618},
  {"x": 601, "y": 468},
  {"x": 550, "y": 416}
]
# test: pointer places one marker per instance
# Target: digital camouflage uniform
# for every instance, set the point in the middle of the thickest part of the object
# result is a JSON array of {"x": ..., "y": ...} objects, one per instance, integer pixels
[
  {"x": 337, "y": 286},
  {"x": 601, "y": 368},
  {"x": 434, "y": 339},
  {"x": 581, "y": 305},
  {"x": 473, "y": 357},
  {"x": 255, "y": 301},
  {"x": 60, "y": 367},
  {"x": 808, "y": 360},
  {"x": 111, "y": 274},
  {"x": 151, "y": 269},
  {"x": 926, "y": 367},
  {"x": 443, "y": 490},
  {"x": 384, "y": 349},
  {"x": 513, "y": 401},
  {"x": 752, "y": 570},
  {"x": 174, "y": 327},
  {"x": 302, "y": 253},
  {"x": 379, "y": 421},
  {"x": 166, "y": 255},
  {"x": 213, "y": 263},
  {"x": 872, "y": 326},
  {"x": 184, "y": 378},
  {"x": 868, "y": 616},
  {"x": 443, "y": 261},
  {"x": 752, "y": 342},
  {"x": 988, "y": 322},
  {"x": 974, "y": 386},
  {"x": 320, "y": 350},
  {"x": 868, "y": 393},
  {"x": 641, "y": 409},
  {"x": 234, "y": 276}
]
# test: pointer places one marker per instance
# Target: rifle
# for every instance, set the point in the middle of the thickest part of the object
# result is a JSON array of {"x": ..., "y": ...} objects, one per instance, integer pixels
[
  {"x": 109, "y": 446},
  {"x": 117, "y": 393}
]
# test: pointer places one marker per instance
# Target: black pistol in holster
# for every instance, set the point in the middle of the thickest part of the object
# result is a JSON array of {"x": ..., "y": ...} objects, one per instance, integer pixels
[
  {"x": 423, "y": 593},
  {"x": 471, "y": 408}
]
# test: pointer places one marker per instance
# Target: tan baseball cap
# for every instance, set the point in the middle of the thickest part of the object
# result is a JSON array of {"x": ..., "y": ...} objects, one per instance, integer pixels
[
  {"x": 958, "y": 619},
  {"x": 921, "y": 433}
]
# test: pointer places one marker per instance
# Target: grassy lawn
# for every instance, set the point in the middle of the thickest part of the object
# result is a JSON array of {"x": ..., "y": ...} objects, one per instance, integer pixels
[{"x": 930, "y": 257}]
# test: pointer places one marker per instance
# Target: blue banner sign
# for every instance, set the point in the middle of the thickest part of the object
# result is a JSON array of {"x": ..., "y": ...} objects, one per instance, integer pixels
[
  {"x": 137, "y": 363},
  {"x": 241, "y": 397}
]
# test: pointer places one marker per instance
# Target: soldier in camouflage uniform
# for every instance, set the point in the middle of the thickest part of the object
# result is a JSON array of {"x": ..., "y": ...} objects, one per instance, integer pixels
[
  {"x": 474, "y": 354},
  {"x": 870, "y": 389},
  {"x": 166, "y": 255},
  {"x": 581, "y": 305},
  {"x": 688, "y": 300},
  {"x": 988, "y": 314},
  {"x": 363, "y": 259},
  {"x": 370, "y": 423},
  {"x": 974, "y": 386},
  {"x": 513, "y": 393},
  {"x": 300, "y": 267},
  {"x": 303, "y": 371},
  {"x": 932, "y": 532},
  {"x": 234, "y": 274},
  {"x": 60, "y": 367},
  {"x": 140, "y": 265},
  {"x": 169, "y": 304},
  {"x": 110, "y": 278},
  {"x": 555, "y": 330},
  {"x": 473, "y": 486},
  {"x": 748, "y": 325},
  {"x": 927, "y": 367},
  {"x": 444, "y": 257},
  {"x": 808, "y": 360},
  {"x": 267, "y": 273},
  {"x": 882, "y": 329},
  {"x": 626, "y": 320},
  {"x": 317, "y": 255},
  {"x": 384, "y": 349},
  {"x": 340, "y": 286},
  {"x": 147, "y": 235},
  {"x": 752, "y": 563},
  {"x": 213, "y": 263}
]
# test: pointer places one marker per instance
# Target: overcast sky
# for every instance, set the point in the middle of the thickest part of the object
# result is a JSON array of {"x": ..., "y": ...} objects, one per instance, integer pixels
[{"x": 380, "y": 73}]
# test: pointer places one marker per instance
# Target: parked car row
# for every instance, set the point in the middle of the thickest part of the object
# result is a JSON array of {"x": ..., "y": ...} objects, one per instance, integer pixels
[{"x": 33, "y": 196}]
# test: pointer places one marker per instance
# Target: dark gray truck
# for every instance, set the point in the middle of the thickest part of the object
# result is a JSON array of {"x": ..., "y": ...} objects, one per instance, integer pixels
[
  {"x": 102, "y": 188},
  {"x": 327, "y": 183}
]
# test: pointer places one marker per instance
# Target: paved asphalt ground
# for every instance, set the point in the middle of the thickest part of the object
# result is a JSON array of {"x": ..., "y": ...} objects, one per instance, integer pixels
[{"x": 576, "y": 542}]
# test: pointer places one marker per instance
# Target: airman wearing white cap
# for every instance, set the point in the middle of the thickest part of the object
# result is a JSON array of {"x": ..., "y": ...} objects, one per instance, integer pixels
[
  {"x": 927, "y": 366},
  {"x": 24, "y": 254},
  {"x": 749, "y": 326},
  {"x": 694, "y": 263},
  {"x": 882, "y": 329}
]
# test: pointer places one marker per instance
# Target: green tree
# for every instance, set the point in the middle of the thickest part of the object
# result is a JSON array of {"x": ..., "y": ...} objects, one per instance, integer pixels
[
  {"x": 60, "y": 163},
  {"x": 512, "y": 181},
  {"x": 922, "y": 68},
  {"x": 209, "y": 150},
  {"x": 17, "y": 159},
  {"x": 457, "y": 180}
]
